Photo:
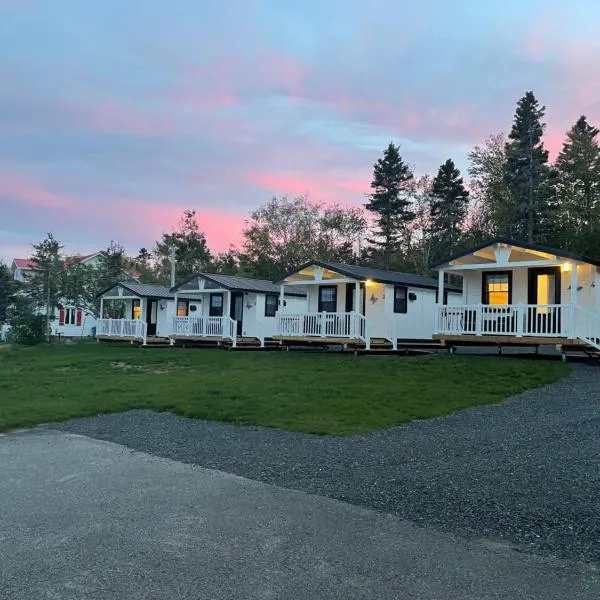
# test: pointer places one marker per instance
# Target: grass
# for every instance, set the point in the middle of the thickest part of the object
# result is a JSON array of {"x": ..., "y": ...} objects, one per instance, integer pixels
[{"x": 316, "y": 393}]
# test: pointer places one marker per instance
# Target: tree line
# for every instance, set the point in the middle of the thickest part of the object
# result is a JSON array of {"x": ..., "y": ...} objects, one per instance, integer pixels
[{"x": 406, "y": 223}]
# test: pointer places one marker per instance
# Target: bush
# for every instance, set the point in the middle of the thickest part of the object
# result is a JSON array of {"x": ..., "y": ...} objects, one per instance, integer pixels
[{"x": 28, "y": 330}]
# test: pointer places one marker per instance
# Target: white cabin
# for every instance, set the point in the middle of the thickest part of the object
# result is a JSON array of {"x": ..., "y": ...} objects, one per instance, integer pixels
[
  {"x": 135, "y": 311},
  {"x": 357, "y": 306},
  {"x": 230, "y": 307},
  {"x": 519, "y": 293}
]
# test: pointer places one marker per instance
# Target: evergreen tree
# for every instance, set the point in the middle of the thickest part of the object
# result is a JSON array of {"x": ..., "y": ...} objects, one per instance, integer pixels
[
  {"x": 448, "y": 209},
  {"x": 390, "y": 202},
  {"x": 577, "y": 197},
  {"x": 8, "y": 290},
  {"x": 526, "y": 171},
  {"x": 43, "y": 286}
]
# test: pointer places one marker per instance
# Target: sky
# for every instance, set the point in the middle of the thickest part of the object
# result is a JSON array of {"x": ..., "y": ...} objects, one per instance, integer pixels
[{"x": 116, "y": 116}]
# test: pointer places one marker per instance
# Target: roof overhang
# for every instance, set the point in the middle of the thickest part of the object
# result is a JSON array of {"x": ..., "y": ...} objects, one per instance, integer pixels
[{"x": 508, "y": 253}]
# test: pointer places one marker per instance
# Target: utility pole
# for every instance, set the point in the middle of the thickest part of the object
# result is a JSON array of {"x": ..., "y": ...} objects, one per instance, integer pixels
[{"x": 173, "y": 261}]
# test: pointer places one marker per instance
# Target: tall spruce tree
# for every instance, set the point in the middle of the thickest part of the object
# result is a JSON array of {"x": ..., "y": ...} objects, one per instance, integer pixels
[
  {"x": 44, "y": 284},
  {"x": 448, "y": 209},
  {"x": 526, "y": 171},
  {"x": 577, "y": 193},
  {"x": 390, "y": 202},
  {"x": 8, "y": 290}
]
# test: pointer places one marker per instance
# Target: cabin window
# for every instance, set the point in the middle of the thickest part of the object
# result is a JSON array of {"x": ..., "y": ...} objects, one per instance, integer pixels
[
  {"x": 216, "y": 305},
  {"x": 136, "y": 309},
  {"x": 182, "y": 308},
  {"x": 70, "y": 316},
  {"x": 497, "y": 288},
  {"x": 400, "y": 299},
  {"x": 328, "y": 298},
  {"x": 271, "y": 305}
]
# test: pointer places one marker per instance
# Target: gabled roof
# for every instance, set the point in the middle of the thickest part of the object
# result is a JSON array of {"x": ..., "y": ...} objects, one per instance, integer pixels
[
  {"x": 24, "y": 263},
  {"x": 379, "y": 275},
  {"x": 146, "y": 290},
  {"x": 519, "y": 244},
  {"x": 239, "y": 284}
]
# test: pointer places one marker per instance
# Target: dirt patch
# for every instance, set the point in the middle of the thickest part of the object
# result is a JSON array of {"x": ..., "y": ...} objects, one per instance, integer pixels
[{"x": 153, "y": 369}]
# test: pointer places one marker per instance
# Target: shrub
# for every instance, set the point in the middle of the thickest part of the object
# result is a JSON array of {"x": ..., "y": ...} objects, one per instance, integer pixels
[{"x": 28, "y": 330}]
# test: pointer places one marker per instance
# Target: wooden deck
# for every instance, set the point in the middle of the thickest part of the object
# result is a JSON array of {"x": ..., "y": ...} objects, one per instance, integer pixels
[{"x": 506, "y": 340}]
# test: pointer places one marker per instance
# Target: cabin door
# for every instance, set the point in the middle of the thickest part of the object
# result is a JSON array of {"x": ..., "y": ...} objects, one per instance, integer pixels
[
  {"x": 151, "y": 313},
  {"x": 237, "y": 310},
  {"x": 544, "y": 292}
]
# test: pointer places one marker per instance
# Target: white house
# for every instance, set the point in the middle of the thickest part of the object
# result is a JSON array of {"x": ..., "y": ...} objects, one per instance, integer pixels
[
  {"x": 70, "y": 321},
  {"x": 520, "y": 293},
  {"x": 135, "y": 312},
  {"x": 360, "y": 306},
  {"x": 228, "y": 307}
]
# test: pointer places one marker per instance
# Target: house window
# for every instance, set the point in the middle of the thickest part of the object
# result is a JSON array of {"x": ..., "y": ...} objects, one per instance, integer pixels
[
  {"x": 70, "y": 316},
  {"x": 328, "y": 298},
  {"x": 497, "y": 288},
  {"x": 136, "y": 309},
  {"x": 400, "y": 299},
  {"x": 216, "y": 305},
  {"x": 271, "y": 305},
  {"x": 182, "y": 308}
]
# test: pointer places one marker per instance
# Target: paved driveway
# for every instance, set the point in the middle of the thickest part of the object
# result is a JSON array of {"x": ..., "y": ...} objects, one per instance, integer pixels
[{"x": 87, "y": 519}]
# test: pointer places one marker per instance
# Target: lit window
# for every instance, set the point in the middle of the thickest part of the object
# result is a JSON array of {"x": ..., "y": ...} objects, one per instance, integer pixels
[
  {"x": 182, "y": 308},
  {"x": 271, "y": 305},
  {"x": 136, "y": 309},
  {"x": 496, "y": 288}
]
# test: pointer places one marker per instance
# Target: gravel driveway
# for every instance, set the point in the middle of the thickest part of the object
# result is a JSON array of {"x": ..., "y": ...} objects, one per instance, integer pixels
[{"x": 526, "y": 472}]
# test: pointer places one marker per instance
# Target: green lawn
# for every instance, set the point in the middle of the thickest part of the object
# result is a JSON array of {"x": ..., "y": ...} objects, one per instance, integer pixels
[{"x": 317, "y": 393}]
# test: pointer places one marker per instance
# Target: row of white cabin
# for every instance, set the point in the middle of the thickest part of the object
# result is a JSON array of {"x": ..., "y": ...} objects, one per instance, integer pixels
[
  {"x": 325, "y": 303},
  {"x": 511, "y": 293}
]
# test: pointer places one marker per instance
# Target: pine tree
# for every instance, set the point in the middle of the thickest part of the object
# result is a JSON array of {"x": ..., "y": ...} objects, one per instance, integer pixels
[
  {"x": 43, "y": 286},
  {"x": 448, "y": 209},
  {"x": 526, "y": 171},
  {"x": 577, "y": 197},
  {"x": 390, "y": 201},
  {"x": 8, "y": 290}
]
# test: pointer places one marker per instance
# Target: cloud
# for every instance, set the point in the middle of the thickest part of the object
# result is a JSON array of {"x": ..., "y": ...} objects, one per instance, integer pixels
[{"x": 15, "y": 187}]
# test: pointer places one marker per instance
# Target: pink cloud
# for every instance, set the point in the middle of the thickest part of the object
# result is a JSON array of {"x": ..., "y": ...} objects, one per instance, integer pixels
[
  {"x": 142, "y": 222},
  {"x": 318, "y": 187},
  {"x": 28, "y": 191}
]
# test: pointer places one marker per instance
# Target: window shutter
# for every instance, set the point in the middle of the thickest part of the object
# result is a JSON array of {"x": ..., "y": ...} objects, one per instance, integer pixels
[
  {"x": 79, "y": 316},
  {"x": 61, "y": 316}
]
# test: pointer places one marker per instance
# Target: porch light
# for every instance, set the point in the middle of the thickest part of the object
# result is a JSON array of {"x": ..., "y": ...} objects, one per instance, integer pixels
[
  {"x": 369, "y": 282},
  {"x": 566, "y": 267}
]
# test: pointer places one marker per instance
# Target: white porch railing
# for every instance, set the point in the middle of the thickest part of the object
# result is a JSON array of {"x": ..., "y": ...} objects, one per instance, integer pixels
[
  {"x": 125, "y": 328},
  {"x": 535, "y": 320},
  {"x": 218, "y": 327},
  {"x": 351, "y": 325},
  {"x": 587, "y": 326}
]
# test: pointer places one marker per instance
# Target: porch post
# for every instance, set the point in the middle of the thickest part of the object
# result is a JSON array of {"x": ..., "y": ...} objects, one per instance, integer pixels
[
  {"x": 357, "y": 298},
  {"x": 101, "y": 307},
  {"x": 441, "y": 287},
  {"x": 281, "y": 297},
  {"x": 571, "y": 333},
  {"x": 574, "y": 284},
  {"x": 227, "y": 314}
]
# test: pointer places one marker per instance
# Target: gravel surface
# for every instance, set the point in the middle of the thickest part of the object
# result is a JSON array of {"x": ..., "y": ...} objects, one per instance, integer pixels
[{"x": 526, "y": 472}]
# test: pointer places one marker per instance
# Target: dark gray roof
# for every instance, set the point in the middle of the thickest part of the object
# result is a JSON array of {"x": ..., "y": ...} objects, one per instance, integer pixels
[
  {"x": 506, "y": 240},
  {"x": 241, "y": 284},
  {"x": 380, "y": 275},
  {"x": 147, "y": 290}
]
